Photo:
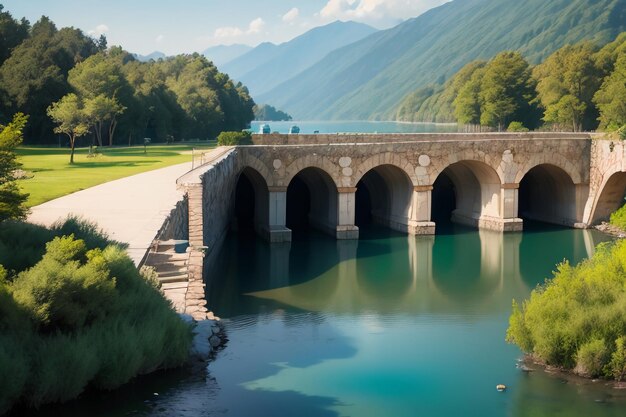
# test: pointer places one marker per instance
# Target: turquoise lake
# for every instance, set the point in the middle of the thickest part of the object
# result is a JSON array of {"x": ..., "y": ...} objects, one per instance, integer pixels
[{"x": 357, "y": 126}]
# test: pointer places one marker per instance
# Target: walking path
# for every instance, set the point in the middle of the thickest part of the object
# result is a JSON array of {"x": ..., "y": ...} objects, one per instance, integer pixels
[{"x": 130, "y": 210}]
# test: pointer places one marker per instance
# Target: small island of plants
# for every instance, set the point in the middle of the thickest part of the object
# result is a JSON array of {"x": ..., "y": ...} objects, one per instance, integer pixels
[{"x": 577, "y": 321}]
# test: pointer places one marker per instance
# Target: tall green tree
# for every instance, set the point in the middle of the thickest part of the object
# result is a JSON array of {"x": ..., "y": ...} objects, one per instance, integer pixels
[
  {"x": 566, "y": 83},
  {"x": 506, "y": 90},
  {"x": 611, "y": 97},
  {"x": 35, "y": 74},
  {"x": 69, "y": 113},
  {"x": 12, "y": 33},
  {"x": 467, "y": 103},
  {"x": 11, "y": 198}
]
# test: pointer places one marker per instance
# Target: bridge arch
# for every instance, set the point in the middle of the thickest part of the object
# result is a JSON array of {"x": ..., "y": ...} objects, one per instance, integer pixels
[
  {"x": 557, "y": 161},
  {"x": 385, "y": 159},
  {"x": 251, "y": 201},
  {"x": 466, "y": 192},
  {"x": 547, "y": 193},
  {"x": 260, "y": 167},
  {"x": 319, "y": 162},
  {"x": 611, "y": 197},
  {"x": 384, "y": 195},
  {"x": 312, "y": 201}
]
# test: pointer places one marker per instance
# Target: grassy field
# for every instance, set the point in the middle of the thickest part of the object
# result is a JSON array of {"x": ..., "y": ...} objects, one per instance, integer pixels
[{"x": 50, "y": 175}]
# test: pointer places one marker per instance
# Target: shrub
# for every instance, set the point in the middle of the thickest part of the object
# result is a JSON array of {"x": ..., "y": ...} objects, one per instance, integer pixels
[
  {"x": 234, "y": 138},
  {"x": 81, "y": 316},
  {"x": 618, "y": 218},
  {"x": 574, "y": 320},
  {"x": 517, "y": 127},
  {"x": 617, "y": 366},
  {"x": 591, "y": 358}
]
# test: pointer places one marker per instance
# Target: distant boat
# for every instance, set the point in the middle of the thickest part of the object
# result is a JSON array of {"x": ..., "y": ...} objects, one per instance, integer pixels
[
  {"x": 294, "y": 130},
  {"x": 265, "y": 129}
]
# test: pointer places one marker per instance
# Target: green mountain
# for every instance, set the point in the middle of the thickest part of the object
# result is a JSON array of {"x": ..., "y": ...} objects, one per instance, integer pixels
[
  {"x": 369, "y": 78},
  {"x": 268, "y": 65},
  {"x": 222, "y": 54}
]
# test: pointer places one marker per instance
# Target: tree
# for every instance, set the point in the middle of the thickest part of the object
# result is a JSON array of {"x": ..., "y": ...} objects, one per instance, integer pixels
[
  {"x": 102, "y": 109},
  {"x": 71, "y": 118},
  {"x": 11, "y": 198},
  {"x": 467, "y": 104},
  {"x": 506, "y": 90},
  {"x": 12, "y": 33},
  {"x": 566, "y": 83},
  {"x": 611, "y": 97}
]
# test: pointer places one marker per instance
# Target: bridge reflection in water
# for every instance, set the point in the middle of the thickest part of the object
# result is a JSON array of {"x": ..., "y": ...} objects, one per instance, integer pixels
[{"x": 462, "y": 272}]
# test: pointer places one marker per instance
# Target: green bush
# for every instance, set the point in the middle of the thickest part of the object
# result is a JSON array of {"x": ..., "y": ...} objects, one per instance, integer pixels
[
  {"x": 618, "y": 218},
  {"x": 577, "y": 319},
  {"x": 517, "y": 127},
  {"x": 591, "y": 358},
  {"x": 81, "y": 317},
  {"x": 234, "y": 138}
]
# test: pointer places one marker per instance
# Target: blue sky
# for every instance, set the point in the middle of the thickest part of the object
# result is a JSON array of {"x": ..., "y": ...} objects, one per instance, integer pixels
[{"x": 173, "y": 27}]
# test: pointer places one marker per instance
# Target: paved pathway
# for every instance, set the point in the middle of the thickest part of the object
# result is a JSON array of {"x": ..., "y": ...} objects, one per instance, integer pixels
[{"x": 130, "y": 210}]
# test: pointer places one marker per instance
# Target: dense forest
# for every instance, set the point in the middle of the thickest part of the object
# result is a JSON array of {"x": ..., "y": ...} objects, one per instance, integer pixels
[
  {"x": 578, "y": 87},
  {"x": 265, "y": 112},
  {"x": 51, "y": 74}
]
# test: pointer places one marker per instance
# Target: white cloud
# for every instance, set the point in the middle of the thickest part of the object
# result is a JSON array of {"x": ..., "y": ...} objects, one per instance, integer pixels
[
  {"x": 291, "y": 15},
  {"x": 376, "y": 10},
  {"x": 255, "y": 26},
  {"x": 159, "y": 39},
  {"x": 101, "y": 29}
]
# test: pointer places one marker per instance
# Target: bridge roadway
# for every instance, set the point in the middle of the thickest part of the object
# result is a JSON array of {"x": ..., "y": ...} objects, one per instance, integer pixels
[{"x": 408, "y": 181}]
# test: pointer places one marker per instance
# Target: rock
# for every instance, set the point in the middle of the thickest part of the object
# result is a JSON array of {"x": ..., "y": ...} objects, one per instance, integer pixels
[{"x": 215, "y": 341}]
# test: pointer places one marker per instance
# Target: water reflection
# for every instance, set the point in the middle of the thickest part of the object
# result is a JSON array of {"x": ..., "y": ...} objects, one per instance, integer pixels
[{"x": 466, "y": 272}]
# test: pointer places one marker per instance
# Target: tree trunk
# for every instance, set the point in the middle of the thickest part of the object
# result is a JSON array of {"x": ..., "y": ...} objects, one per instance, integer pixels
[
  {"x": 112, "y": 131},
  {"x": 72, "y": 143}
]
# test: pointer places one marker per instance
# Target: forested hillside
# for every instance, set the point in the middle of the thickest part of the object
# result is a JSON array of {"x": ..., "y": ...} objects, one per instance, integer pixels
[
  {"x": 578, "y": 87},
  {"x": 49, "y": 73},
  {"x": 369, "y": 78}
]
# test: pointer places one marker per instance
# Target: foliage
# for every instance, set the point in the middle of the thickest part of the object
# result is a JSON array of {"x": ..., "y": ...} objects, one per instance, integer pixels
[
  {"x": 578, "y": 319},
  {"x": 234, "y": 138},
  {"x": 265, "y": 112},
  {"x": 69, "y": 113},
  {"x": 175, "y": 98},
  {"x": 11, "y": 198},
  {"x": 611, "y": 97},
  {"x": 618, "y": 218},
  {"x": 80, "y": 317},
  {"x": 567, "y": 81},
  {"x": 517, "y": 127}
]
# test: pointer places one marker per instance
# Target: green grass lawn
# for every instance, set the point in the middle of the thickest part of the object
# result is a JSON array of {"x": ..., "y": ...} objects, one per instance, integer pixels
[{"x": 53, "y": 176}]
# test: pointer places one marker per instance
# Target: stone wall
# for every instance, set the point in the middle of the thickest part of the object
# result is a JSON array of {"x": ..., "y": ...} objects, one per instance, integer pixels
[{"x": 177, "y": 224}]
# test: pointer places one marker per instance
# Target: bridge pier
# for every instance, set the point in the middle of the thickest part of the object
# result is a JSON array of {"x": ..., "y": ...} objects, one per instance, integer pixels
[
  {"x": 276, "y": 230},
  {"x": 420, "y": 213},
  {"x": 346, "y": 203}
]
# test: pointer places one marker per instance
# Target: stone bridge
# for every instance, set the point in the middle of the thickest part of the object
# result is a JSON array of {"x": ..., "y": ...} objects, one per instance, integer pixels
[{"x": 408, "y": 182}]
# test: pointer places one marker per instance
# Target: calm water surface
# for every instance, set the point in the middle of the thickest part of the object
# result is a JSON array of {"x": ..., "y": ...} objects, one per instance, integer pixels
[
  {"x": 389, "y": 325},
  {"x": 358, "y": 126}
]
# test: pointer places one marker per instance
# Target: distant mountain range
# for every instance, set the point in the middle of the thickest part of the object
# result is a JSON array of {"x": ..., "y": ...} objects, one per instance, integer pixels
[
  {"x": 268, "y": 65},
  {"x": 367, "y": 78},
  {"x": 222, "y": 54},
  {"x": 156, "y": 55}
]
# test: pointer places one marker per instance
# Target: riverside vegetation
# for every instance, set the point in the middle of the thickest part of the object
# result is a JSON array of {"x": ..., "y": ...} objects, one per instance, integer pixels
[
  {"x": 577, "y": 320},
  {"x": 75, "y": 313}
]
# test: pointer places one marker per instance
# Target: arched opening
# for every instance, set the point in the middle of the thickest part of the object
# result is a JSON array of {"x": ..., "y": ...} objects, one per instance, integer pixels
[
  {"x": 465, "y": 192},
  {"x": 312, "y": 202},
  {"x": 384, "y": 196},
  {"x": 251, "y": 202},
  {"x": 547, "y": 194},
  {"x": 611, "y": 198}
]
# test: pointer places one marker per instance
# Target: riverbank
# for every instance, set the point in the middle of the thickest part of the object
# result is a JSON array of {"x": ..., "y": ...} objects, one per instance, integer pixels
[{"x": 612, "y": 230}]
